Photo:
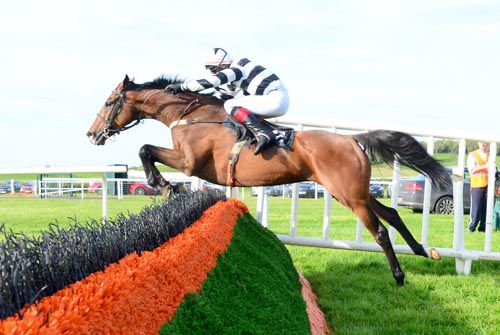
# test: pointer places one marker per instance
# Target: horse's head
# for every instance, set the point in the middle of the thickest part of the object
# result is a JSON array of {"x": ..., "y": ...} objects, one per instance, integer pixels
[
  {"x": 129, "y": 103},
  {"x": 115, "y": 116}
]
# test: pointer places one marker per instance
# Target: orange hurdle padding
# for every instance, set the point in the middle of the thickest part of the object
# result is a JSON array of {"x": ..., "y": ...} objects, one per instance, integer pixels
[{"x": 138, "y": 294}]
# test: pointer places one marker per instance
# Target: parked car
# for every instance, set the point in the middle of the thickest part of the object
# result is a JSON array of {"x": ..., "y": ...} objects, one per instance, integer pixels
[
  {"x": 275, "y": 190},
  {"x": 27, "y": 188},
  {"x": 307, "y": 189},
  {"x": 411, "y": 195},
  {"x": 376, "y": 188},
  {"x": 205, "y": 185},
  {"x": 141, "y": 188},
  {"x": 5, "y": 186},
  {"x": 181, "y": 186},
  {"x": 95, "y": 187},
  {"x": 136, "y": 187}
]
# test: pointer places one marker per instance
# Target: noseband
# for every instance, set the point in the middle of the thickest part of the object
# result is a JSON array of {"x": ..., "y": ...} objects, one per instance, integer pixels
[{"x": 117, "y": 108}]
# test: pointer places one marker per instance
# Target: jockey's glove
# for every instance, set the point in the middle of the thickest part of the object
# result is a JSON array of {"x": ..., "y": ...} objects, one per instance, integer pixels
[{"x": 173, "y": 88}]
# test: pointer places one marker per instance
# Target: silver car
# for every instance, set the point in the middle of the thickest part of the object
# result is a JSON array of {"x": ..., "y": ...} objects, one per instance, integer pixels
[{"x": 411, "y": 195}]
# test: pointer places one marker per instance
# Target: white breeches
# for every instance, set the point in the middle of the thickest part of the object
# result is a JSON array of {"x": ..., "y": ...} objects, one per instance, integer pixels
[{"x": 274, "y": 104}]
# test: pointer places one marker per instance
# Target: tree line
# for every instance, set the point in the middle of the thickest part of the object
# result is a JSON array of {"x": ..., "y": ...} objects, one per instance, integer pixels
[{"x": 451, "y": 146}]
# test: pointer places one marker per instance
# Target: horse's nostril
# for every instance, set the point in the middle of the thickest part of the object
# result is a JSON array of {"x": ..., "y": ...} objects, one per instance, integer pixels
[{"x": 90, "y": 134}]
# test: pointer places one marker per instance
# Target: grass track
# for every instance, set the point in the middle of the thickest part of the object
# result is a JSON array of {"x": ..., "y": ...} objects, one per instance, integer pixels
[
  {"x": 359, "y": 296},
  {"x": 356, "y": 290}
]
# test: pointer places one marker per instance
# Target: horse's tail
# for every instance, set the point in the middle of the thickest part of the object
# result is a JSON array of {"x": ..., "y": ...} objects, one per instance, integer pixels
[{"x": 390, "y": 145}]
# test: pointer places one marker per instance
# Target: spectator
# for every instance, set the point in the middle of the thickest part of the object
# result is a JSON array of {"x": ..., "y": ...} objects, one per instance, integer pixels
[{"x": 477, "y": 163}]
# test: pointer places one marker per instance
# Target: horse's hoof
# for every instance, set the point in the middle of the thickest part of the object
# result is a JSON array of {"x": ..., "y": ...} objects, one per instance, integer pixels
[
  {"x": 166, "y": 192},
  {"x": 399, "y": 276},
  {"x": 434, "y": 254}
]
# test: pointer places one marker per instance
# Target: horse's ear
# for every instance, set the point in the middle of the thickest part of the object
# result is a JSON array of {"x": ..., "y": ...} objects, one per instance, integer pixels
[{"x": 126, "y": 80}]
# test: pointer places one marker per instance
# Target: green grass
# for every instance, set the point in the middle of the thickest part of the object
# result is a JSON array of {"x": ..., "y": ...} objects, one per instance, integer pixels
[
  {"x": 310, "y": 221},
  {"x": 31, "y": 215},
  {"x": 355, "y": 289},
  {"x": 358, "y": 294},
  {"x": 253, "y": 280}
]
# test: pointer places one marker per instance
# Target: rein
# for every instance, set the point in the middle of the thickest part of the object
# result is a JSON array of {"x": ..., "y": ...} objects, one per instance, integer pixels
[{"x": 187, "y": 110}]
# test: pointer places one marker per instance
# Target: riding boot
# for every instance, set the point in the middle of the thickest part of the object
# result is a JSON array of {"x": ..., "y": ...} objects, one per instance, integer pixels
[{"x": 263, "y": 132}]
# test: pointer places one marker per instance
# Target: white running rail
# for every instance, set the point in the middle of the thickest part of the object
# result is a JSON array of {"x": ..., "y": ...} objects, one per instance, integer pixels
[
  {"x": 74, "y": 169},
  {"x": 463, "y": 256}
]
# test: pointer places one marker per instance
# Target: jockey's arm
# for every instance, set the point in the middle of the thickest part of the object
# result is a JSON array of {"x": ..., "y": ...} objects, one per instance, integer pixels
[
  {"x": 218, "y": 92},
  {"x": 223, "y": 77}
]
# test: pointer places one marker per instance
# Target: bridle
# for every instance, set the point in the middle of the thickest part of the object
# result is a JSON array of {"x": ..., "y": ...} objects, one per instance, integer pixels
[{"x": 117, "y": 108}]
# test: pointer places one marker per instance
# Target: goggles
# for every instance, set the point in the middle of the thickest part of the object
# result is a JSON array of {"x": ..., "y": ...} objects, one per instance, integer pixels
[{"x": 212, "y": 68}]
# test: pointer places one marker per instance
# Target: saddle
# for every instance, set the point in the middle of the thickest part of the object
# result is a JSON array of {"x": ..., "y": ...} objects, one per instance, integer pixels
[
  {"x": 244, "y": 138},
  {"x": 243, "y": 134}
]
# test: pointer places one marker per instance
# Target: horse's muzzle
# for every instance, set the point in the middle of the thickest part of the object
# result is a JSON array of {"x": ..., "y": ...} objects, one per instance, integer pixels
[{"x": 96, "y": 138}]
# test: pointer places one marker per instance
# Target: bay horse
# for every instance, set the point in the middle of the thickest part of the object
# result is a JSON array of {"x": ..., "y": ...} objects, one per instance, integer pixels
[{"x": 201, "y": 148}]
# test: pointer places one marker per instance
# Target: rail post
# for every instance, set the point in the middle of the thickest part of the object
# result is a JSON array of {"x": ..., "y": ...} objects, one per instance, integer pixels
[
  {"x": 491, "y": 197},
  {"x": 265, "y": 211},
  {"x": 260, "y": 203},
  {"x": 295, "y": 209},
  {"x": 326, "y": 215},
  {"x": 104, "y": 197},
  {"x": 462, "y": 265}
]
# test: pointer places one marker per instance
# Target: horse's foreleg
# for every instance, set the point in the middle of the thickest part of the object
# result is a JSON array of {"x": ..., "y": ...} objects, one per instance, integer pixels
[
  {"x": 151, "y": 154},
  {"x": 379, "y": 232},
  {"x": 391, "y": 216}
]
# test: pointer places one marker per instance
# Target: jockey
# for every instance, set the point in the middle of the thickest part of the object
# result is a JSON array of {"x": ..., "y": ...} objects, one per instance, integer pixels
[{"x": 256, "y": 93}]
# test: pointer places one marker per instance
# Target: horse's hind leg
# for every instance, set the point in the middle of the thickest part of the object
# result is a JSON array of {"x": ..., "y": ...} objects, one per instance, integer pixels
[
  {"x": 391, "y": 216},
  {"x": 381, "y": 236}
]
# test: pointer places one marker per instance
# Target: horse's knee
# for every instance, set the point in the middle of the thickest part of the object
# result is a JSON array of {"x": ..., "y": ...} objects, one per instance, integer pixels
[{"x": 145, "y": 151}]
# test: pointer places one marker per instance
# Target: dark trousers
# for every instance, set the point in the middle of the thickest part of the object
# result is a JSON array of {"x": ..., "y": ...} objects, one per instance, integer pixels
[{"x": 478, "y": 208}]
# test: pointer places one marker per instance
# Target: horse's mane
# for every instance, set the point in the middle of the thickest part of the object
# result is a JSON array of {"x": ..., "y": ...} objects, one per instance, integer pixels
[
  {"x": 163, "y": 81},
  {"x": 157, "y": 84}
]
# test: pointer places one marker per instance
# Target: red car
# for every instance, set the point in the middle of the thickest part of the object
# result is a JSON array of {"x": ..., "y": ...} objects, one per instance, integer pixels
[
  {"x": 27, "y": 188},
  {"x": 136, "y": 187},
  {"x": 95, "y": 187},
  {"x": 141, "y": 188}
]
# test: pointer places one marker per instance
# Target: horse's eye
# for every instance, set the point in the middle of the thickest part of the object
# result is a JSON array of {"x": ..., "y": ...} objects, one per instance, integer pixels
[{"x": 108, "y": 103}]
